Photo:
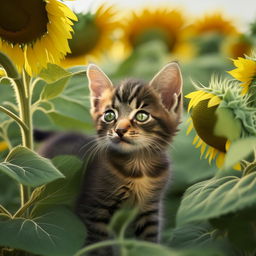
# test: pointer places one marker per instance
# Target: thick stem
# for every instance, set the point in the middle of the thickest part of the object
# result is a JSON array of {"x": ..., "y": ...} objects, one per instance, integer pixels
[
  {"x": 25, "y": 112},
  {"x": 26, "y": 117},
  {"x": 23, "y": 94}
]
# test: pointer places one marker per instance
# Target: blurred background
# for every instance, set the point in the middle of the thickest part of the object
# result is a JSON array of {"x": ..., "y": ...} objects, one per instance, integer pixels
[{"x": 137, "y": 38}]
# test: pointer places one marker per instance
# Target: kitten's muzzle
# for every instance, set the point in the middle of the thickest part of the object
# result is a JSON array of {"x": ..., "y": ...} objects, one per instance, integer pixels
[{"x": 121, "y": 131}]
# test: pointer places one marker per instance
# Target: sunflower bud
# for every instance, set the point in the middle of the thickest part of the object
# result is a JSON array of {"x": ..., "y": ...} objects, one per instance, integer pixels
[{"x": 220, "y": 115}]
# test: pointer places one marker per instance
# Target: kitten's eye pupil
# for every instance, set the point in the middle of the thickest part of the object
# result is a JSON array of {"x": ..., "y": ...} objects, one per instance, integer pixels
[
  {"x": 142, "y": 116},
  {"x": 109, "y": 116}
]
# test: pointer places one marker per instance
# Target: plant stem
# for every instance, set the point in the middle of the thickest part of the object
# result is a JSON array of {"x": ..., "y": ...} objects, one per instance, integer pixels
[
  {"x": 23, "y": 94},
  {"x": 26, "y": 117},
  {"x": 127, "y": 242},
  {"x": 13, "y": 116}
]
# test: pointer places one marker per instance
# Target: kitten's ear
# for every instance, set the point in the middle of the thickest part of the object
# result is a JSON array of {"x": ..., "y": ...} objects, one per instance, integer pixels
[
  {"x": 99, "y": 83},
  {"x": 168, "y": 82}
]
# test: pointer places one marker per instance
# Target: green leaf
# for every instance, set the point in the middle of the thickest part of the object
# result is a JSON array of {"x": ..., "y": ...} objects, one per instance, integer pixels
[
  {"x": 68, "y": 122},
  {"x": 28, "y": 168},
  {"x": 227, "y": 126},
  {"x": 216, "y": 197},
  {"x": 142, "y": 249},
  {"x": 62, "y": 191},
  {"x": 70, "y": 109},
  {"x": 53, "y": 73},
  {"x": 56, "y": 233},
  {"x": 200, "y": 235},
  {"x": 9, "y": 193},
  {"x": 239, "y": 150},
  {"x": 52, "y": 90}
]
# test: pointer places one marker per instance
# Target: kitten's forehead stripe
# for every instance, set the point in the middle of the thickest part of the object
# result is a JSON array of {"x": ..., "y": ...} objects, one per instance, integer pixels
[{"x": 130, "y": 92}]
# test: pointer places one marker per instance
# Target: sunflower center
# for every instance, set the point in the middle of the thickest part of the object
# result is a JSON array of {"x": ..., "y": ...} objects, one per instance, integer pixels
[
  {"x": 87, "y": 36},
  {"x": 204, "y": 120},
  {"x": 151, "y": 34},
  {"x": 23, "y": 21}
]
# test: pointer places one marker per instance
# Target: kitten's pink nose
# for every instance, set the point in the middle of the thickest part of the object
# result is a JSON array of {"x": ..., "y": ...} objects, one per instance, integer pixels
[
  {"x": 122, "y": 127},
  {"x": 121, "y": 132}
]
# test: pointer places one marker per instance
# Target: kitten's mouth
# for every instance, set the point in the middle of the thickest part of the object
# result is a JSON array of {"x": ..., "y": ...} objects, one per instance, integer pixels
[{"x": 117, "y": 140}]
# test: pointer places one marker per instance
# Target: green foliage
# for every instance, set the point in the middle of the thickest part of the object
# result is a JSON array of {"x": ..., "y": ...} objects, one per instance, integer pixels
[
  {"x": 61, "y": 191},
  {"x": 216, "y": 197},
  {"x": 28, "y": 168},
  {"x": 56, "y": 232}
]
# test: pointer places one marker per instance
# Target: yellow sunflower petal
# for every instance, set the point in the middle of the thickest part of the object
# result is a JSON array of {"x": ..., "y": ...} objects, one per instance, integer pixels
[
  {"x": 237, "y": 167},
  {"x": 189, "y": 128},
  {"x": 195, "y": 99},
  {"x": 195, "y": 139},
  {"x": 220, "y": 160},
  {"x": 202, "y": 150},
  {"x": 199, "y": 143},
  {"x": 214, "y": 101}
]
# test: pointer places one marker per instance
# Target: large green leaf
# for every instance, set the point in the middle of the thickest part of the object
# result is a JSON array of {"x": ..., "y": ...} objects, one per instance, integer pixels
[
  {"x": 200, "y": 235},
  {"x": 9, "y": 193},
  {"x": 52, "y": 90},
  {"x": 70, "y": 123},
  {"x": 217, "y": 197},
  {"x": 28, "y": 168},
  {"x": 62, "y": 191},
  {"x": 70, "y": 109},
  {"x": 58, "y": 232},
  {"x": 53, "y": 73}
]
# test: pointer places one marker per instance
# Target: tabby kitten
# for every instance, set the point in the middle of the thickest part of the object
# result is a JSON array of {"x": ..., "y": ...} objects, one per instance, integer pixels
[
  {"x": 129, "y": 161},
  {"x": 135, "y": 123}
]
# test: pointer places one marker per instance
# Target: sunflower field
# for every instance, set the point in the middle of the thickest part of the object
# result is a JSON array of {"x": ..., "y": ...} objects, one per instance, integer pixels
[{"x": 210, "y": 207}]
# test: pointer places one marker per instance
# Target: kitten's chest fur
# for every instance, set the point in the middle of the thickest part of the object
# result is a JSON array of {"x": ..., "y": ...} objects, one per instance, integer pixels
[{"x": 133, "y": 179}]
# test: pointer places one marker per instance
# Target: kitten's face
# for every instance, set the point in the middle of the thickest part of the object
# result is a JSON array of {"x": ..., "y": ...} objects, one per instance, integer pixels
[{"x": 133, "y": 116}]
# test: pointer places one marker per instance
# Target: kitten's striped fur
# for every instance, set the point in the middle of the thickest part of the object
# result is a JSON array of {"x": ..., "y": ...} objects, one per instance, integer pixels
[
  {"x": 134, "y": 171},
  {"x": 129, "y": 162}
]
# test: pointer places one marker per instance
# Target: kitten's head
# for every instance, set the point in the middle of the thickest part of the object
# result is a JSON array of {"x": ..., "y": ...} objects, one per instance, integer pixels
[{"x": 136, "y": 115}]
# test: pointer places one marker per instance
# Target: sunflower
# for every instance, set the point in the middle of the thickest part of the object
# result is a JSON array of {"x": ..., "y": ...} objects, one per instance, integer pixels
[
  {"x": 214, "y": 23},
  {"x": 34, "y": 33},
  {"x": 160, "y": 24},
  {"x": 237, "y": 46},
  {"x": 205, "y": 104},
  {"x": 93, "y": 34},
  {"x": 245, "y": 72},
  {"x": 207, "y": 33}
]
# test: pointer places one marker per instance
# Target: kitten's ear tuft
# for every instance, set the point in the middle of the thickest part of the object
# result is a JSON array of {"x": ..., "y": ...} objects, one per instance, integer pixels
[
  {"x": 99, "y": 83},
  {"x": 168, "y": 83}
]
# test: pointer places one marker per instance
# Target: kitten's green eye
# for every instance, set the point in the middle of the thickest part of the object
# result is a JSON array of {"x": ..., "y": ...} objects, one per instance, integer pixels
[
  {"x": 142, "y": 116},
  {"x": 109, "y": 116}
]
